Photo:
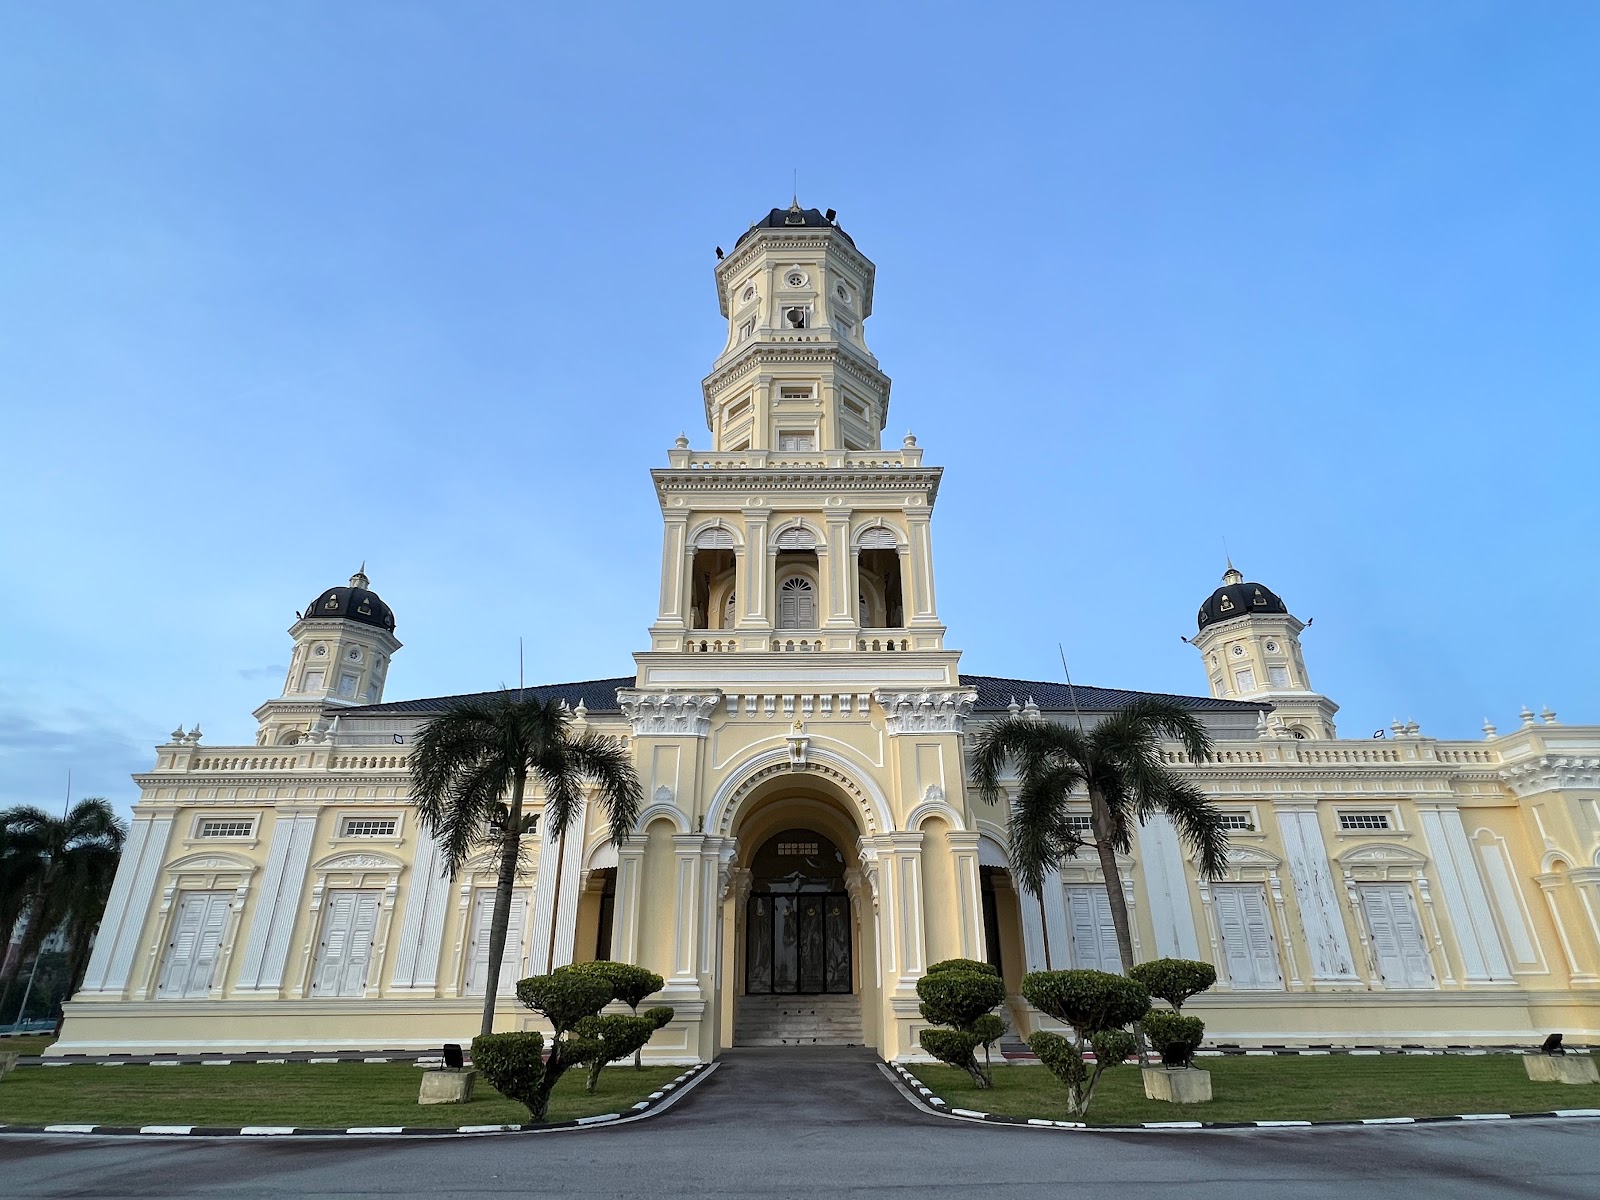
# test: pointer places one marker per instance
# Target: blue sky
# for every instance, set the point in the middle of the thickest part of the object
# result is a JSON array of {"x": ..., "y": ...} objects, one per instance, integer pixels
[{"x": 289, "y": 285}]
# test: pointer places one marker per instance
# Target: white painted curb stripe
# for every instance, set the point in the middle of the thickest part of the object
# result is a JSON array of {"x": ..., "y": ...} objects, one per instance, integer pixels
[
  {"x": 376, "y": 1129},
  {"x": 266, "y": 1130},
  {"x": 166, "y": 1129},
  {"x": 70, "y": 1128}
]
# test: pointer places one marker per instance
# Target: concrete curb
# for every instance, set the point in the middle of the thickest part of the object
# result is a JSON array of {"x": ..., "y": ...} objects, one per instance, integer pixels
[
  {"x": 657, "y": 1103},
  {"x": 922, "y": 1096}
]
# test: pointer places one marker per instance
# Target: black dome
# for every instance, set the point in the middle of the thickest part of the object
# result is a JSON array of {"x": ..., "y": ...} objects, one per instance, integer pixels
[
  {"x": 1236, "y": 598},
  {"x": 795, "y": 217},
  {"x": 354, "y": 603}
]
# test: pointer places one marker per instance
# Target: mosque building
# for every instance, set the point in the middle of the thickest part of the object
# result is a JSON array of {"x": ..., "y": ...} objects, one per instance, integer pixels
[{"x": 809, "y": 842}]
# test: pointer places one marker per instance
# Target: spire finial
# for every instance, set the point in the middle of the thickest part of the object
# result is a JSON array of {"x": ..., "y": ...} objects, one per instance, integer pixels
[
  {"x": 794, "y": 198},
  {"x": 359, "y": 579}
]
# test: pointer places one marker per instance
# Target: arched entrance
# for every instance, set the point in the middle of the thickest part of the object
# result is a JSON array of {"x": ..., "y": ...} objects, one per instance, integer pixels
[
  {"x": 799, "y": 950},
  {"x": 798, "y": 924}
]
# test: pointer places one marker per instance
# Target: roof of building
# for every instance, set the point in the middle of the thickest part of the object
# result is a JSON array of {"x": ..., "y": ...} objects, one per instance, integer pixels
[
  {"x": 994, "y": 695},
  {"x": 795, "y": 217},
  {"x": 1237, "y": 598},
  {"x": 358, "y": 602}
]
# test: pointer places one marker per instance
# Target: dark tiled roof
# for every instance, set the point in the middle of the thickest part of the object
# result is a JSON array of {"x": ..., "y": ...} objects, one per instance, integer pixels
[
  {"x": 794, "y": 217},
  {"x": 597, "y": 695},
  {"x": 995, "y": 695}
]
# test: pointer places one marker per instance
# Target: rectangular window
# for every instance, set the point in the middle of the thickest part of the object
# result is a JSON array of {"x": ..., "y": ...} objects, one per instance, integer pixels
[
  {"x": 225, "y": 827},
  {"x": 794, "y": 439},
  {"x": 349, "y": 924},
  {"x": 746, "y": 329},
  {"x": 369, "y": 827},
  {"x": 1244, "y": 679},
  {"x": 738, "y": 409},
  {"x": 1278, "y": 676},
  {"x": 347, "y": 686},
  {"x": 1080, "y": 823},
  {"x": 797, "y": 849},
  {"x": 1238, "y": 820},
  {"x": 196, "y": 943},
  {"x": 854, "y": 407},
  {"x": 796, "y": 391},
  {"x": 1363, "y": 820},
  {"x": 313, "y": 681}
]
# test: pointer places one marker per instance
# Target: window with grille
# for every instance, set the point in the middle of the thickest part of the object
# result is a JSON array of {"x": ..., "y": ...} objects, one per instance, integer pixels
[
  {"x": 231, "y": 827},
  {"x": 1238, "y": 820},
  {"x": 1364, "y": 820},
  {"x": 357, "y": 827},
  {"x": 797, "y": 849},
  {"x": 1080, "y": 823},
  {"x": 795, "y": 392}
]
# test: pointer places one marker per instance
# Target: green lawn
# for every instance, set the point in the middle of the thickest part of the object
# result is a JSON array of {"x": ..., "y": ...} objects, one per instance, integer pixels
[
  {"x": 324, "y": 1096},
  {"x": 33, "y": 1043},
  {"x": 1280, "y": 1089}
]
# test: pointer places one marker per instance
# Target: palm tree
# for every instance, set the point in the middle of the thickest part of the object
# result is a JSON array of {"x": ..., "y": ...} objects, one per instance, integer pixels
[
  {"x": 1118, "y": 764},
  {"x": 74, "y": 857},
  {"x": 20, "y": 865},
  {"x": 472, "y": 756}
]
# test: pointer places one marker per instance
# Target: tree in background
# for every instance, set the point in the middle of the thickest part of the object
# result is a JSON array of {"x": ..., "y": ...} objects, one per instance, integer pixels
[
  {"x": 56, "y": 873},
  {"x": 1118, "y": 766},
  {"x": 472, "y": 766}
]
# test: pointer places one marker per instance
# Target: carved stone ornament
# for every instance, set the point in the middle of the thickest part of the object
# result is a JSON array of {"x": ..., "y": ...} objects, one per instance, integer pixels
[
  {"x": 656, "y": 714},
  {"x": 926, "y": 712},
  {"x": 351, "y": 862}
]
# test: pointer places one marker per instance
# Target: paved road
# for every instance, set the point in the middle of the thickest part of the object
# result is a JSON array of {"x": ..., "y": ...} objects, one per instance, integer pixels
[{"x": 772, "y": 1124}]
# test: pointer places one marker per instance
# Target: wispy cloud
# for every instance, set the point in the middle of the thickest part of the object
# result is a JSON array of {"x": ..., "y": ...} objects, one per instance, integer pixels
[
  {"x": 36, "y": 754},
  {"x": 269, "y": 672}
]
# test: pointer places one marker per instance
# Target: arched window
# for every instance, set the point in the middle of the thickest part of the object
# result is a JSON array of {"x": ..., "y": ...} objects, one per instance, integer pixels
[
  {"x": 728, "y": 611},
  {"x": 797, "y": 604}
]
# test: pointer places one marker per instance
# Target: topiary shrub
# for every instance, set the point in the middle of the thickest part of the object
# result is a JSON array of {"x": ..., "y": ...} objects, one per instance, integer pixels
[
  {"x": 571, "y": 1000},
  {"x": 963, "y": 964},
  {"x": 1174, "y": 1036},
  {"x": 513, "y": 1063},
  {"x": 1099, "y": 1006},
  {"x": 612, "y": 1037},
  {"x": 629, "y": 984},
  {"x": 964, "y": 1000},
  {"x": 1174, "y": 979}
]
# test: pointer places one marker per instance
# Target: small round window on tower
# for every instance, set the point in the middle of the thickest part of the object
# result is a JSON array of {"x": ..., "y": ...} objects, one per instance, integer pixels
[
  {"x": 749, "y": 294},
  {"x": 796, "y": 279}
]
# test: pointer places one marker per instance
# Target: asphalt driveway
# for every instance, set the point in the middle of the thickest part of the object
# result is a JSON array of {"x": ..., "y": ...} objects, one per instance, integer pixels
[{"x": 822, "y": 1122}]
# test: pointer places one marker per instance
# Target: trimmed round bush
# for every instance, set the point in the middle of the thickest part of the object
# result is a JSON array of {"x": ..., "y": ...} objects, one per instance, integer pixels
[
  {"x": 1174, "y": 979},
  {"x": 629, "y": 983},
  {"x": 1089, "y": 1001},
  {"x": 959, "y": 997},
  {"x": 963, "y": 964},
  {"x": 954, "y": 1046},
  {"x": 1174, "y": 1036},
  {"x": 513, "y": 1063},
  {"x": 566, "y": 997}
]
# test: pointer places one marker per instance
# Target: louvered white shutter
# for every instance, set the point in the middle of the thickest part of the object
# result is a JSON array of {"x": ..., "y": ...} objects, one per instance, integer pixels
[
  {"x": 1094, "y": 937},
  {"x": 363, "y": 930},
  {"x": 511, "y": 967},
  {"x": 1396, "y": 935},
  {"x": 796, "y": 605},
  {"x": 196, "y": 940},
  {"x": 478, "y": 951},
  {"x": 1249, "y": 952},
  {"x": 511, "y": 964},
  {"x": 338, "y": 912}
]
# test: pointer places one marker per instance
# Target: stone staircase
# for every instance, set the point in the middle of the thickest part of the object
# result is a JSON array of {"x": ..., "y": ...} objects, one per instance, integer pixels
[{"x": 797, "y": 1021}]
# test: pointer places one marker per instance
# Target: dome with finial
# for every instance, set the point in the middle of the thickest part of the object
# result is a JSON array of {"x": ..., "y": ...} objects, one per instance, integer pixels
[
  {"x": 1237, "y": 598},
  {"x": 357, "y": 602},
  {"x": 795, "y": 217}
]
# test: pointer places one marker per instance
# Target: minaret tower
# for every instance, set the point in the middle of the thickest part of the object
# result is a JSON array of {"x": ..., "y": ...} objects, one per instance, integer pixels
[
  {"x": 1251, "y": 646},
  {"x": 342, "y": 646},
  {"x": 796, "y": 532}
]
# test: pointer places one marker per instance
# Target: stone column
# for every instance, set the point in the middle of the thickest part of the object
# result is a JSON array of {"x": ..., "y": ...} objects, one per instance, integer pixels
[
  {"x": 917, "y": 590},
  {"x": 840, "y": 567},
  {"x": 416, "y": 964},
  {"x": 277, "y": 904},
  {"x": 674, "y": 569},
  {"x": 625, "y": 917},
  {"x": 755, "y": 582},
  {"x": 899, "y": 860},
  {"x": 687, "y": 917},
  {"x": 969, "y": 893},
  {"x": 128, "y": 906}
]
